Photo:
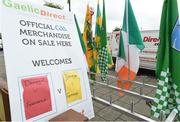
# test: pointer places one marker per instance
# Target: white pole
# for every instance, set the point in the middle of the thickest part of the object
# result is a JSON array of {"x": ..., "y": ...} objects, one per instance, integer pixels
[{"x": 127, "y": 27}]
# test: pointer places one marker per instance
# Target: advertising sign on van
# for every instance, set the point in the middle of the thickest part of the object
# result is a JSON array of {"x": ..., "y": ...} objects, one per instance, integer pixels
[{"x": 148, "y": 55}]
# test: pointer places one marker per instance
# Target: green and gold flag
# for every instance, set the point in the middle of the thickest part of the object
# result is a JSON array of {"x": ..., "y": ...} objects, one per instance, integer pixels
[
  {"x": 103, "y": 53},
  {"x": 80, "y": 35},
  {"x": 97, "y": 38},
  {"x": 87, "y": 38}
]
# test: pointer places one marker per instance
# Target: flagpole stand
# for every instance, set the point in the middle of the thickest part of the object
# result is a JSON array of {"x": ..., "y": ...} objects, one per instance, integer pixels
[
  {"x": 132, "y": 106},
  {"x": 108, "y": 83},
  {"x": 94, "y": 92},
  {"x": 141, "y": 89},
  {"x": 162, "y": 116},
  {"x": 110, "y": 99}
]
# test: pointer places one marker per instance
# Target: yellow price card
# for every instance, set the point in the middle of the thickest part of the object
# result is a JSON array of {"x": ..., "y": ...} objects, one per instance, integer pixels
[{"x": 72, "y": 84}]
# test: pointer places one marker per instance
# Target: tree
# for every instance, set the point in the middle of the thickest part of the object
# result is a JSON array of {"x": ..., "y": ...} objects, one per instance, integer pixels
[
  {"x": 116, "y": 29},
  {"x": 53, "y": 5}
]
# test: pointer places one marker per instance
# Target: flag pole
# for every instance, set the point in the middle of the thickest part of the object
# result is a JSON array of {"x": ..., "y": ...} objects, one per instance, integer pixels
[
  {"x": 127, "y": 26},
  {"x": 69, "y": 2}
]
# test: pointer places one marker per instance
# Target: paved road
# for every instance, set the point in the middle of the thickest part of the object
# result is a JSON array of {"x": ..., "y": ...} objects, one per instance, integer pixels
[
  {"x": 107, "y": 113},
  {"x": 1, "y": 53}
]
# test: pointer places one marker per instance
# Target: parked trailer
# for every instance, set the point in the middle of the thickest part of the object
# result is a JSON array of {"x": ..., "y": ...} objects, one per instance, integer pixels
[{"x": 148, "y": 55}]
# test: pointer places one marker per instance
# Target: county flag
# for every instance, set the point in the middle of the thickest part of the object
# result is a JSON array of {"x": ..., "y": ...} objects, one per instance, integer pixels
[
  {"x": 103, "y": 53},
  {"x": 81, "y": 41},
  {"x": 127, "y": 63},
  {"x": 80, "y": 35},
  {"x": 87, "y": 38},
  {"x": 167, "y": 95},
  {"x": 96, "y": 42}
]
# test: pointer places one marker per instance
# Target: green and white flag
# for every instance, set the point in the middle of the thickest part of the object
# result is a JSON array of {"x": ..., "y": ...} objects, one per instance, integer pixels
[
  {"x": 103, "y": 54},
  {"x": 167, "y": 95}
]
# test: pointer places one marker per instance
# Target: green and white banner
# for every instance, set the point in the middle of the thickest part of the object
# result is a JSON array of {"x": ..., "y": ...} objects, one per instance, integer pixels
[{"x": 168, "y": 62}]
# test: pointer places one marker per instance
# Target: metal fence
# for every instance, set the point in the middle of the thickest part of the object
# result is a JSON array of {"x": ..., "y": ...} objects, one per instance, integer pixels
[{"x": 130, "y": 111}]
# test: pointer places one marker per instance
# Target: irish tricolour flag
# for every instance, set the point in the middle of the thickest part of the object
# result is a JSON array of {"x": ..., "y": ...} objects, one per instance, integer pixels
[
  {"x": 167, "y": 96},
  {"x": 131, "y": 44}
]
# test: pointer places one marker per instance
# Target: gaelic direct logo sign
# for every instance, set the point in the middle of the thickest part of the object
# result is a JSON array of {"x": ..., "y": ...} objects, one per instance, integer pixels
[
  {"x": 30, "y": 9},
  {"x": 45, "y": 67}
]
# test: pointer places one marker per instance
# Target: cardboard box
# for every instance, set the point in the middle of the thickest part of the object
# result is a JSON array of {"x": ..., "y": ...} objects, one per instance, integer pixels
[{"x": 70, "y": 115}]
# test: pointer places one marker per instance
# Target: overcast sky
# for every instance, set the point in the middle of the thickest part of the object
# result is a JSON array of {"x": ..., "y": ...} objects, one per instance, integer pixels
[{"x": 147, "y": 12}]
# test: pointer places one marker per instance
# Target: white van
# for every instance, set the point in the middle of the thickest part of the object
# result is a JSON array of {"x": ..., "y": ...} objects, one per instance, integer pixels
[
  {"x": 148, "y": 55},
  {"x": 114, "y": 42}
]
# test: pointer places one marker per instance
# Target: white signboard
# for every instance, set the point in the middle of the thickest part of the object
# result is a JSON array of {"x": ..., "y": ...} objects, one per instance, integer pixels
[{"x": 45, "y": 69}]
